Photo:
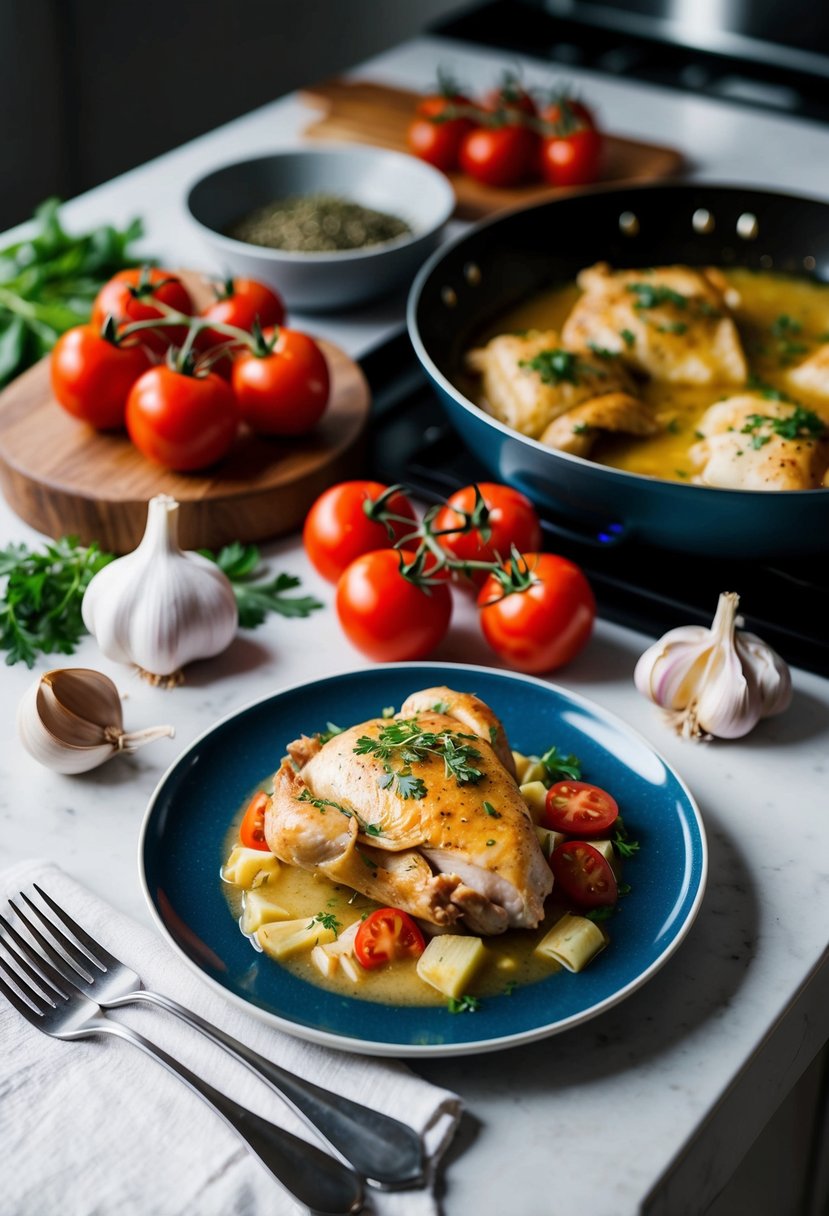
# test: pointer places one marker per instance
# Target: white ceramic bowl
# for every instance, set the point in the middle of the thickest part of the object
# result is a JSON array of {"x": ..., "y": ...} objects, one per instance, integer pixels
[{"x": 387, "y": 181}]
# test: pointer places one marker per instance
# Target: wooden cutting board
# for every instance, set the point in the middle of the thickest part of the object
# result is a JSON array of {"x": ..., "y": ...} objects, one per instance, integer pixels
[
  {"x": 362, "y": 112},
  {"x": 62, "y": 477}
]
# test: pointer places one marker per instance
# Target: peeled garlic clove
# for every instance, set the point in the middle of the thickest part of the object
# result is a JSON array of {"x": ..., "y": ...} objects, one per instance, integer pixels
[
  {"x": 714, "y": 682},
  {"x": 70, "y": 720},
  {"x": 159, "y": 607}
]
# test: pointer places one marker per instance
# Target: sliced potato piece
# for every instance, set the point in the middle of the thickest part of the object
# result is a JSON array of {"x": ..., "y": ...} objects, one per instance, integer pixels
[
  {"x": 535, "y": 772},
  {"x": 549, "y": 840},
  {"x": 522, "y": 763},
  {"x": 259, "y": 910},
  {"x": 285, "y": 938},
  {"x": 573, "y": 941},
  {"x": 450, "y": 962},
  {"x": 250, "y": 867},
  {"x": 534, "y": 794}
]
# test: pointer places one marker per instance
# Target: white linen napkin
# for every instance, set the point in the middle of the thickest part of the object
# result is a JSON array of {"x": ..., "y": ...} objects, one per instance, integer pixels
[{"x": 95, "y": 1127}]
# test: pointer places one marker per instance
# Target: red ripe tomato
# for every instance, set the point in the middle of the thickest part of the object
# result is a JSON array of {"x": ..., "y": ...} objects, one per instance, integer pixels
[
  {"x": 252, "y": 829},
  {"x": 337, "y": 529},
  {"x": 283, "y": 392},
  {"x": 583, "y": 875},
  {"x": 512, "y": 521},
  {"x": 435, "y": 138},
  {"x": 92, "y": 377},
  {"x": 384, "y": 615},
  {"x": 179, "y": 421},
  {"x": 511, "y": 97},
  {"x": 386, "y": 935},
  {"x": 129, "y": 296},
  {"x": 580, "y": 809},
  {"x": 499, "y": 155},
  {"x": 571, "y": 160},
  {"x": 545, "y": 626},
  {"x": 568, "y": 113},
  {"x": 241, "y": 302}
]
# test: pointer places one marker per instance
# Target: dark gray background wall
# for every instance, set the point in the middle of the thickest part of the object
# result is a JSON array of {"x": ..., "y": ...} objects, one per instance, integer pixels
[{"x": 89, "y": 88}]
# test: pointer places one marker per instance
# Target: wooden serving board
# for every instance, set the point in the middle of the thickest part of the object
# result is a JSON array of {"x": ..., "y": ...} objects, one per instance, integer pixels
[
  {"x": 63, "y": 477},
  {"x": 362, "y": 112}
]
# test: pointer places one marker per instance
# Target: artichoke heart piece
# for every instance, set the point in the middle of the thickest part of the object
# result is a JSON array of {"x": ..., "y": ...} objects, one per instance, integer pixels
[
  {"x": 450, "y": 962},
  {"x": 250, "y": 868},
  {"x": 572, "y": 942},
  {"x": 283, "y": 939},
  {"x": 259, "y": 910}
]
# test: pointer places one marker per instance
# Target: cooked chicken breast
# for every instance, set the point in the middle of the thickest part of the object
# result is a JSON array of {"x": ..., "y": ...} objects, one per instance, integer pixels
[
  {"x": 529, "y": 380},
  {"x": 578, "y": 429},
  {"x": 742, "y": 447},
  {"x": 672, "y": 323},
  {"x": 812, "y": 375},
  {"x": 347, "y": 815}
]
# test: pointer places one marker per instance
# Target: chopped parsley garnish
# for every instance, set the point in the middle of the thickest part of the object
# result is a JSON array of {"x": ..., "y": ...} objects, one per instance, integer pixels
[
  {"x": 493, "y": 735},
  {"x": 408, "y": 743},
  {"x": 785, "y": 326},
  {"x": 598, "y": 914},
  {"x": 331, "y": 729},
  {"x": 673, "y": 327},
  {"x": 799, "y": 424},
  {"x": 322, "y": 804},
  {"x": 601, "y": 352},
  {"x": 650, "y": 296},
  {"x": 622, "y": 843},
  {"x": 373, "y": 829},
  {"x": 328, "y": 921},
  {"x": 491, "y": 811},
  {"x": 463, "y": 1004},
  {"x": 627, "y": 337},
  {"x": 624, "y": 888},
  {"x": 559, "y": 366},
  {"x": 490, "y": 843},
  {"x": 673, "y": 427},
  {"x": 440, "y": 707},
  {"x": 510, "y": 987},
  {"x": 581, "y": 428}
]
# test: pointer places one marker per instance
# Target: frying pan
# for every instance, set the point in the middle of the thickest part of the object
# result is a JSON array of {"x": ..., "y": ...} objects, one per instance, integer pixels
[{"x": 466, "y": 285}]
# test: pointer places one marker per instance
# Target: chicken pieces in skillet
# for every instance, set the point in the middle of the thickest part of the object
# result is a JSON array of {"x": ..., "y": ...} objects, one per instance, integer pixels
[
  {"x": 420, "y": 811},
  {"x": 537, "y": 387},
  {"x": 812, "y": 375},
  {"x": 753, "y": 443},
  {"x": 671, "y": 323}
]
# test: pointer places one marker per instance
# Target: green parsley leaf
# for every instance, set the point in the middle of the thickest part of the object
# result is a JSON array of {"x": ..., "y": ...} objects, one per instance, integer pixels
[
  {"x": 510, "y": 987},
  {"x": 598, "y": 914},
  {"x": 331, "y": 729},
  {"x": 650, "y": 296},
  {"x": 491, "y": 811},
  {"x": 328, "y": 921},
  {"x": 601, "y": 352},
  {"x": 627, "y": 337},
  {"x": 255, "y": 600},
  {"x": 558, "y": 766},
  {"x": 409, "y": 786},
  {"x": 463, "y": 1004},
  {"x": 559, "y": 366}
]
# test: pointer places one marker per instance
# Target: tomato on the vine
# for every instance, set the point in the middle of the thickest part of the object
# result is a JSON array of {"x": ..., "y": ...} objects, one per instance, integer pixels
[
  {"x": 252, "y": 828},
  {"x": 512, "y": 521},
  {"x": 337, "y": 529},
  {"x": 510, "y": 96},
  {"x": 580, "y": 809},
  {"x": 499, "y": 155},
  {"x": 240, "y": 303},
  {"x": 183, "y": 422},
  {"x": 386, "y": 935},
  {"x": 583, "y": 875},
  {"x": 129, "y": 296},
  {"x": 436, "y": 137},
  {"x": 546, "y": 625},
  {"x": 384, "y": 614},
  {"x": 284, "y": 389},
  {"x": 571, "y": 160},
  {"x": 92, "y": 375},
  {"x": 568, "y": 113}
]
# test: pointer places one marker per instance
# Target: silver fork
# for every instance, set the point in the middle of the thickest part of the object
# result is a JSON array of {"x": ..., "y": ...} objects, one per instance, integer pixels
[
  {"x": 384, "y": 1150},
  {"x": 323, "y": 1184}
]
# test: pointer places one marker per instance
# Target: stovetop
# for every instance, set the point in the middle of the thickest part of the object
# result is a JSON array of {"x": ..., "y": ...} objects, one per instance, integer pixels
[{"x": 787, "y": 604}]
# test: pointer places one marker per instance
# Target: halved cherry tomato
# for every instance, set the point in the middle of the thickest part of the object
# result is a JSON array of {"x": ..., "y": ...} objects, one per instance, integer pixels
[
  {"x": 337, "y": 529},
  {"x": 284, "y": 392},
  {"x": 129, "y": 296},
  {"x": 583, "y": 875},
  {"x": 386, "y": 935},
  {"x": 580, "y": 809},
  {"x": 92, "y": 376},
  {"x": 512, "y": 521},
  {"x": 385, "y": 615},
  {"x": 240, "y": 303},
  {"x": 183, "y": 422},
  {"x": 545, "y": 626},
  {"x": 252, "y": 828},
  {"x": 571, "y": 160}
]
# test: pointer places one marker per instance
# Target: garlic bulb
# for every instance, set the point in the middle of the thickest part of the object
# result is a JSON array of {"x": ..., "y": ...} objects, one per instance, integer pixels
[
  {"x": 717, "y": 681},
  {"x": 158, "y": 607},
  {"x": 70, "y": 720}
]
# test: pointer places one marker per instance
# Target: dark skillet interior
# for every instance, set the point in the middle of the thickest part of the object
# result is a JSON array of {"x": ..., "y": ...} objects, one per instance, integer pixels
[{"x": 513, "y": 256}]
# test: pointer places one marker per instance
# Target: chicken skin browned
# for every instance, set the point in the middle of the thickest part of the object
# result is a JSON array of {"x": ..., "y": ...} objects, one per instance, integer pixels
[
  {"x": 671, "y": 323},
  {"x": 417, "y": 811}
]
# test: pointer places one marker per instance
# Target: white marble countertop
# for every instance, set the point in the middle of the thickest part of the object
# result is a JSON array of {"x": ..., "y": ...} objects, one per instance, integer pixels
[{"x": 651, "y": 1106}]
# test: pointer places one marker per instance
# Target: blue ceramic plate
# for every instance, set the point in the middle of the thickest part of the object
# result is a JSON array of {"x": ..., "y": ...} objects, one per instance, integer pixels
[{"x": 188, "y": 817}]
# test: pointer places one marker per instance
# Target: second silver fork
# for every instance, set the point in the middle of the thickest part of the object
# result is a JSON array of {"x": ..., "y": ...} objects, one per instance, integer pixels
[{"x": 383, "y": 1150}]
